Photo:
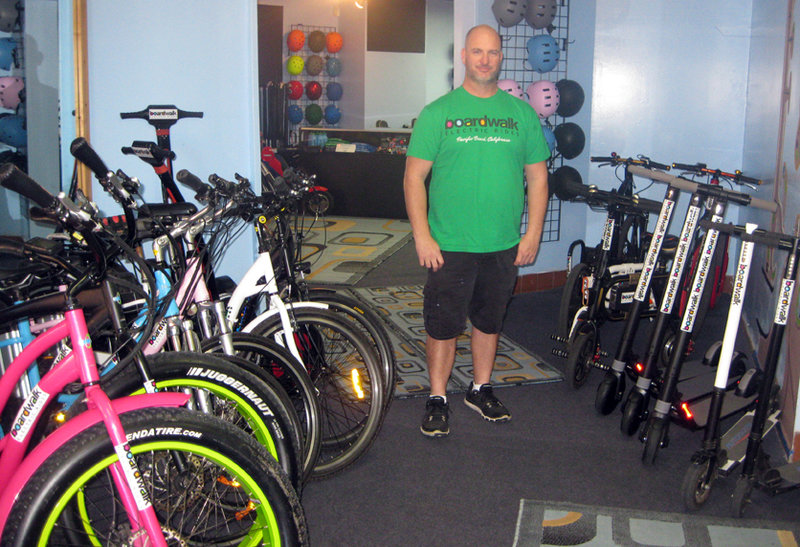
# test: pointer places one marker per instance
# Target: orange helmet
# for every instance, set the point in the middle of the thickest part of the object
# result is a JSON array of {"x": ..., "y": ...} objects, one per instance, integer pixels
[
  {"x": 295, "y": 40},
  {"x": 334, "y": 41}
]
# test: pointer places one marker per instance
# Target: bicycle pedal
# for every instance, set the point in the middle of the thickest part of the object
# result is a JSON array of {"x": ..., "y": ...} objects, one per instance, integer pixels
[{"x": 558, "y": 338}]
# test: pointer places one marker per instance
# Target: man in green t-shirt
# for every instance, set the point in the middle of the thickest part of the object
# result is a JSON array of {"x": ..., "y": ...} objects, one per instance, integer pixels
[{"x": 476, "y": 142}]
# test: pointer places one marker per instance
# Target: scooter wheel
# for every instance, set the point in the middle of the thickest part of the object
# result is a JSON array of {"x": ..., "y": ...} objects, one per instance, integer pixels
[
  {"x": 655, "y": 439},
  {"x": 741, "y": 496},
  {"x": 581, "y": 357},
  {"x": 633, "y": 412},
  {"x": 609, "y": 392},
  {"x": 697, "y": 482}
]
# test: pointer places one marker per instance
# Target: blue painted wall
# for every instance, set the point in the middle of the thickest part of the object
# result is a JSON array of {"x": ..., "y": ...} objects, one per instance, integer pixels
[{"x": 196, "y": 55}]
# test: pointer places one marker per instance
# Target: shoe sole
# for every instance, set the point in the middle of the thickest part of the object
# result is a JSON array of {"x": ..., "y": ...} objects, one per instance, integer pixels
[
  {"x": 476, "y": 408},
  {"x": 434, "y": 434}
]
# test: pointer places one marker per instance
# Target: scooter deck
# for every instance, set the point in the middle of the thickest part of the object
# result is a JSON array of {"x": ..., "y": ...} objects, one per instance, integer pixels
[
  {"x": 734, "y": 441},
  {"x": 696, "y": 387}
]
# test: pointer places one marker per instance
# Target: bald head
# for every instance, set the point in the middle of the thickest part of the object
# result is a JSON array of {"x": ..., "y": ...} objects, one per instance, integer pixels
[{"x": 481, "y": 56}]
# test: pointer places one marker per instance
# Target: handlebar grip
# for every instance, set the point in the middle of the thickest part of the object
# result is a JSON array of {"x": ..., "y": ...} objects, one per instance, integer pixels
[
  {"x": 192, "y": 181},
  {"x": 603, "y": 159},
  {"x": 767, "y": 205},
  {"x": 14, "y": 179},
  {"x": 685, "y": 166},
  {"x": 749, "y": 180},
  {"x": 84, "y": 153},
  {"x": 656, "y": 165}
]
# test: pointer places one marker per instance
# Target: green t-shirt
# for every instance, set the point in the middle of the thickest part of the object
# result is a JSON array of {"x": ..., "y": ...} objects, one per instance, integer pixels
[{"x": 479, "y": 147}]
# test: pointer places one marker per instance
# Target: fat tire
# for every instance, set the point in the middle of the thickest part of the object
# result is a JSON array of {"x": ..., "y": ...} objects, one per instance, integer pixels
[
  {"x": 571, "y": 298},
  {"x": 581, "y": 355},
  {"x": 163, "y": 432}
]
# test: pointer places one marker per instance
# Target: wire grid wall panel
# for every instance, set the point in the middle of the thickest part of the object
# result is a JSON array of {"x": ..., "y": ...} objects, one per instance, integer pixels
[
  {"x": 516, "y": 67},
  {"x": 304, "y": 78}
]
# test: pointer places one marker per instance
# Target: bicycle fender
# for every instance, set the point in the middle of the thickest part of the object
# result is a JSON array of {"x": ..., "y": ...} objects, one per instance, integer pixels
[
  {"x": 274, "y": 311},
  {"x": 70, "y": 429}
]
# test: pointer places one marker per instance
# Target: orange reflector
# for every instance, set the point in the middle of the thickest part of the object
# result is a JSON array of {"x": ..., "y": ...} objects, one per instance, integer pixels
[
  {"x": 686, "y": 411},
  {"x": 246, "y": 511}
]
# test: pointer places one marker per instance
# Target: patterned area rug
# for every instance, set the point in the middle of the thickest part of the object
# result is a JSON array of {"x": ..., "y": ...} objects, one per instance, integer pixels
[
  {"x": 342, "y": 250},
  {"x": 547, "y": 523},
  {"x": 401, "y": 309}
]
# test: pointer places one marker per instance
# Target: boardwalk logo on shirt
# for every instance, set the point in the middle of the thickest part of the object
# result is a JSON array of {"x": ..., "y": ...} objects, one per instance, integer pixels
[{"x": 484, "y": 122}]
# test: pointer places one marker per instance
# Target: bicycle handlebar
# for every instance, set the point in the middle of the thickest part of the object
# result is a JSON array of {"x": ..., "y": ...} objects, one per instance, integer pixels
[
  {"x": 702, "y": 168},
  {"x": 773, "y": 239},
  {"x": 14, "y": 179},
  {"x": 619, "y": 160},
  {"x": 705, "y": 189},
  {"x": 84, "y": 153},
  {"x": 193, "y": 181},
  {"x": 148, "y": 151},
  {"x": 615, "y": 198}
]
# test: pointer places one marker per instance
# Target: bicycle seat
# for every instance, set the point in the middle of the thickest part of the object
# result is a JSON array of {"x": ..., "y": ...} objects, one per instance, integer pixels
[{"x": 667, "y": 247}]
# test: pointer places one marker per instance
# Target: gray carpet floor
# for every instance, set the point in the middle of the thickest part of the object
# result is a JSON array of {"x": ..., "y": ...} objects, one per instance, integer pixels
[{"x": 465, "y": 489}]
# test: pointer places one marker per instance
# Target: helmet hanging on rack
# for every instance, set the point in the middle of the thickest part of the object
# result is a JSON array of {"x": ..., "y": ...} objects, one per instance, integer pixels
[
  {"x": 511, "y": 87},
  {"x": 543, "y": 97},
  {"x": 543, "y": 53},
  {"x": 316, "y": 41},
  {"x": 296, "y": 40},
  {"x": 508, "y": 12},
  {"x": 7, "y": 48},
  {"x": 572, "y": 97},
  {"x": 570, "y": 140},
  {"x": 541, "y": 13}
]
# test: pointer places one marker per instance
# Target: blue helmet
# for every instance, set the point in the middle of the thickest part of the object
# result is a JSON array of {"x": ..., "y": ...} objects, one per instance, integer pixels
[
  {"x": 334, "y": 91},
  {"x": 333, "y": 66},
  {"x": 7, "y": 48},
  {"x": 550, "y": 139},
  {"x": 12, "y": 130},
  {"x": 543, "y": 53},
  {"x": 332, "y": 114},
  {"x": 295, "y": 113}
]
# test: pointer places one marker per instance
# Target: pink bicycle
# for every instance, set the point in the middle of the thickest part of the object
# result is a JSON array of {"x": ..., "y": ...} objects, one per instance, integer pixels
[{"x": 137, "y": 470}]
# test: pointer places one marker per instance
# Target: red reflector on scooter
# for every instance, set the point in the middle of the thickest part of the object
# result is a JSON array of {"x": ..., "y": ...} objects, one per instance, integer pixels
[
  {"x": 639, "y": 367},
  {"x": 686, "y": 411}
]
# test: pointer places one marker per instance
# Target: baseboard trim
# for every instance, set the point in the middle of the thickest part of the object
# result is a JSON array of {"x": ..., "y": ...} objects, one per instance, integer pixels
[{"x": 540, "y": 281}]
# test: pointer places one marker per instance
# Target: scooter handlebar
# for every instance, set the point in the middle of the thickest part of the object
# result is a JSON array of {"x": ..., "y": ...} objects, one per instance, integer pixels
[{"x": 689, "y": 186}]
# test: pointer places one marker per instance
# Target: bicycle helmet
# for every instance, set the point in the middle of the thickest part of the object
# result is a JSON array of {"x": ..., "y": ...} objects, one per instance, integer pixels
[
  {"x": 541, "y": 13},
  {"x": 316, "y": 41},
  {"x": 296, "y": 40},
  {"x": 313, "y": 90},
  {"x": 334, "y": 91},
  {"x": 295, "y": 65},
  {"x": 570, "y": 139},
  {"x": 549, "y": 138},
  {"x": 512, "y": 87},
  {"x": 543, "y": 53},
  {"x": 543, "y": 97},
  {"x": 571, "y": 97},
  {"x": 12, "y": 130},
  {"x": 313, "y": 114},
  {"x": 7, "y": 49},
  {"x": 334, "y": 41},
  {"x": 295, "y": 90},
  {"x": 333, "y": 66},
  {"x": 563, "y": 180},
  {"x": 314, "y": 65},
  {"x": 295, "y": 113},
  {"x": 9, "y": 15},
  {"x": 332, "y": 114},
  {"x": 11, "y": 91},
  {"x": 508, "y": 12}
]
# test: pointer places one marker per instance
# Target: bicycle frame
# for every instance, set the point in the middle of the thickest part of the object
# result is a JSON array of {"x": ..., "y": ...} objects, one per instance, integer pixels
[{"x": 16, "y": 468}]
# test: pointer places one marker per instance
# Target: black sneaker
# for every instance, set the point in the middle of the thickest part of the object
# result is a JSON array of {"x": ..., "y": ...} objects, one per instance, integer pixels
[
  {"x": 486, "y": 404},
  {"x": 434, "y": 423}
]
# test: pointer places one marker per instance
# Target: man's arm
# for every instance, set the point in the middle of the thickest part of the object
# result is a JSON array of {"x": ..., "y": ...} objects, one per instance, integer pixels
[
  {"x": 428, "y": 252},
  {"x": 536, "y": 175}
]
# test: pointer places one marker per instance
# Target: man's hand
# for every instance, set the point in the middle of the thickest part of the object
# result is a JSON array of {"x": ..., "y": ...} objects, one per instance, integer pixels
[
  {"x": 526, "y": 252},
  {"x": 428, "y": 252}
]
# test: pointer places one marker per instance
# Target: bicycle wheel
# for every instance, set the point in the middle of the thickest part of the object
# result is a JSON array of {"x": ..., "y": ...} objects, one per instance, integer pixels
[
  {"x": 370, "y": 324},
  {"x": 208, "y": 482},
  {"x": 581, "y": 357},
  {"x": 697, "y": 483},
  {"x": 571, "y": 299},
  {"x": 270, "y": 358},
  {"x": 346, "y": 374},
  {"x": 228, "y": 391}
]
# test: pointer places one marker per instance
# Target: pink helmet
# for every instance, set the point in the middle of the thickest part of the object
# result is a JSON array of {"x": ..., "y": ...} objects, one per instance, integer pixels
[
  {"x": 512, "y": 87},
  {"x": 544, "y": 98},
  {"x": 11, "y": 91}
]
